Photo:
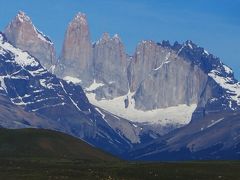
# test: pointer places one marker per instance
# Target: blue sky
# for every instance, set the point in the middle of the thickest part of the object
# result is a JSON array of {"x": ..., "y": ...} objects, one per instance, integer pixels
[{"x": 213, "y": 24}]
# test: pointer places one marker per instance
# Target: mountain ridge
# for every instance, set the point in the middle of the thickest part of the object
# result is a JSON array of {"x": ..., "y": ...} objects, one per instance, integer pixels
[
  {"x": 150, "y": 81},
  {"x": 29, "y": 85},
  {"x": 33, "y": 41},
  {"x": 135, "y": 99}
]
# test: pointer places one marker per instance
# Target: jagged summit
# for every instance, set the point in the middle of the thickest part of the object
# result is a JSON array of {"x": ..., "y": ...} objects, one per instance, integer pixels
[
  {"x": 150, "y": 75},
  {"x": 117, "y": 37},
  {"x": 147, "y": 42},
  {"x": 21, "y": 16},
  {"x": 105, "y": 36},
  {"x": 81, "y": 17},
  {"x": 76, "y": 55},
  {"x": 162, "y": 86},
  {"x": 79, "y": 21},
  {"x": 22, "y": 33},
  {"x": 24, "y": 82}
]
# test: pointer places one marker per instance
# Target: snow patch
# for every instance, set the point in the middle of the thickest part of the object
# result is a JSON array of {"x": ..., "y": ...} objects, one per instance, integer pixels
[
  {"x": 166, "y": 61},
  {"x": 41, "y": 36},
  {"x": 103, "y": 115},
  {"x": 74, "y": 80},
  {"x": 215, "y": 122},
  {"x": 180, "y": 114},
  {"x": 44, "y": 83},
  {"x": 47, "y": 106},
  {"x": 21, "y": 58},
  {"x": 227, "y": 83},
  {"x": 2, "y": 83},
  {"x": 180, "y": 50},
  {"x": 227, "y": 69},
  {"x": 135, "y": 125},
  {"x": 74, "y": 103},
  {"x": 94, "y": 86},
  {"x": 206, "y": 52},
  {"x": 189, "y": 45}
]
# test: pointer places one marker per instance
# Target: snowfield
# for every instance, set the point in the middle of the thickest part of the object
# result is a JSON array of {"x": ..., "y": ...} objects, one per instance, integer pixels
[{"x": 176, "y": 115}]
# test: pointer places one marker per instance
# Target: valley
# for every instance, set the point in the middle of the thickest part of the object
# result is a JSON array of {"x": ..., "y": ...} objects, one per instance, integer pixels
[{"x": 43, "y": 154}]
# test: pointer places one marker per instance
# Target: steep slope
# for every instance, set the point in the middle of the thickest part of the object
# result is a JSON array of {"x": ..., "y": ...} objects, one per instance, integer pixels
[
  {"x": 162, "y": 79},
  {"x": 13, "y": 116},
  {"x": 110, "y": 68},
  {"x": 47, "y": 144},
  {"x": 23, "y": 34},
  {"x": 221, "y": 92},
  {"x": 76, "y": 58},
  {"x": 170, "y": 85},
  {"x": 160, "y": 88},
  {"x": 136, "y": 133},
  {"x": 161, "y": 85},
  {"x": 216, "y": 136},
  {"x": 26, "y": 83}
]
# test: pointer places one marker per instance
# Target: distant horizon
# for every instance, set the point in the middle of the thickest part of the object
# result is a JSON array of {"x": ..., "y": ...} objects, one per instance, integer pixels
[{"x": 212, "y": 25}]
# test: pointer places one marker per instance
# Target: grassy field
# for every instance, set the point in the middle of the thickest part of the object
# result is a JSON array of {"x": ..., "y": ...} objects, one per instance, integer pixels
[
  {"x": 60, "y": 156},
  {"x": 41, "y": 169}
]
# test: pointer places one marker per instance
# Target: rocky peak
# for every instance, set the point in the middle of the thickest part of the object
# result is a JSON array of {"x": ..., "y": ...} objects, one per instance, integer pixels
[
  {"x": 105, "y": 37},
  {"x": 23, "y": 34},
  {"x": 76, "y": 54},
  {"x": 165, "y": 43},
  {"x": 22, "y": 17},
  {"x": 190, "y": 44},
  {"x": 159, "y": 77},
  {"x": 79, "y": 24},
  {"x": 221, "y": 88},
  {"x": 81, "y": 18},
  {"x": 24, "y": 82},
  {"x": 148, "y": 56},
  {"x": 116, "y": 38},
  {"x": 110, "y": 66}
]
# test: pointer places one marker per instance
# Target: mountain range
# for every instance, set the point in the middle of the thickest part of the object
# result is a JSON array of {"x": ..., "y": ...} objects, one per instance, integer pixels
[{"x": 162, "y": 102}]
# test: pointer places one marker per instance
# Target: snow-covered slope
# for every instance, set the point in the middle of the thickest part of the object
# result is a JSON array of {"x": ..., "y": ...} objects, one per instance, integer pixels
[
  {"x": 213, "y": 89},
  {"x": 229, "y": 85},
  {"x": 160, "y": 85},
  {"x": 221, "y": 92},
  {"x": 27, "y": 84},
  {"x": 22, "y": 33},
  {"x": 175, "y": 115}
]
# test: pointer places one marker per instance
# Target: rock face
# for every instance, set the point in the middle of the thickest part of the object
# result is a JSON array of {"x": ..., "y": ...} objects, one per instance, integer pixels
[
  {"x": 162, "y": 79},
  {"x": 23, "y": 34},
  {"x": 160, "y": 88},
  {"x": 102, "y": 65},
  {"x": 222, "y": 90},
  {"x": 110, "y": 67},
  {"x": 61, "y": 105},
  {"x": 76, "y": 56},
  {"x": 161, "y": 84},
  {"x": 170, "y": 85}
]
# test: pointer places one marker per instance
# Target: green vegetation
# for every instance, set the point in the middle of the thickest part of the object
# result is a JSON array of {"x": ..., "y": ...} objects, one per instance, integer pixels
[
  {"x": 42, "y": 155},
  {"x": 37, "y": 169},
  {"x": 31, "y": 143}
]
